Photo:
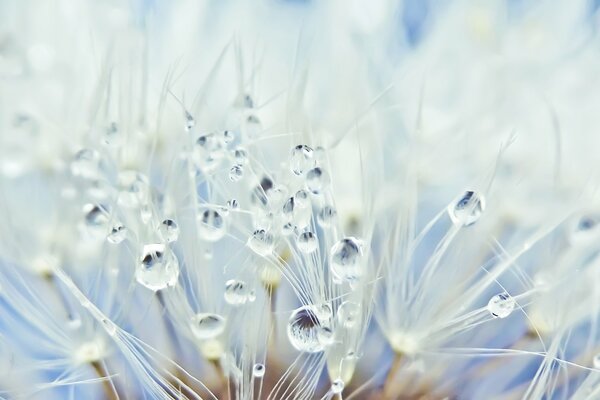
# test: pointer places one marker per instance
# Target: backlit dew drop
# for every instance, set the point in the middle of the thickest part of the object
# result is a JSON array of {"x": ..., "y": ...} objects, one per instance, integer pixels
[
  {"x": 303, "y": 330},
  {"x": 316, "y": 180},
  {"x": 236, "y": 173},
  {"x": 168, "y": 230},
  {"x": 228, "y": 137},
  {"x": 86, "y": 164},
  {"x": 596, "y": 361},
  {"x": 208, "y": 152},
  {"x": 133, "y": 187},
  {"x": 584, "y": 228},
  {"x": 345, "y": 259},
  {"x": 233, "y": 204},
  {"x": 207, "y": 326},
  {"x": 211, "y": 225},
  {"x": 326, "y": 216},
  {"x": 112, "y": 135},
  {"x": 337, "y": 386},
  {"x": 302, "y": 199},
  {"x": 307, "y": 242},
  {"x": 236, "y": 292},
  {"x": 96, "y": 217},
  {"x": 117, "y": 234},
  {"x": 348, "y": 314},
  {"x": 241, "y": 155},
  {"x": 467, "y": 209},
  {"x": 190, "y": 122},
  {"x": 501, "y": 305},
  {"x": 251, "y": 126},
  {"x": 258, "y": 371},
  {"x": 158, "y": 268},
  {"x": 301, "y": 159},
  {"x": 261, "y": 242}
]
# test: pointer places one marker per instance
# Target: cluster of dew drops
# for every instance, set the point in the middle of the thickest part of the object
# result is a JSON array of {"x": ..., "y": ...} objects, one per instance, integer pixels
[{"x": 139, "y": 218}]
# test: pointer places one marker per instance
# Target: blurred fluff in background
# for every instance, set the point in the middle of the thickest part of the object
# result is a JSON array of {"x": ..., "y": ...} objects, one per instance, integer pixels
[{"x": 269, "y": 199}]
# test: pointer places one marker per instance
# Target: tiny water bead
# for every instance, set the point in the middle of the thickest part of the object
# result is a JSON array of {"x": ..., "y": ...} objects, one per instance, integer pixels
[
  {"x": 301, "y": 159},
  {"x": 117, "y": 234},
  {"x": 261, "y": 242},
  {"x": 316, "y": 180},
  {"x": 96, "y": 217},
  {"x": 501, "y": 305},
  {"x": 208, "y": 152},
  {"x": 112, "y": 135},
  {"x": 584, "y": 228},
  {"x": 211, "y": 225},
  {"x": 326, "y": 216},
  {"x": 303, "y": 330},
  {"x": 348, "y": 314},
  {"x": 251, "y": 126},
  {"x": 467, "y": 209},
  {"x": 233, "y": 204},
  {"x": 228, "y": 136},
  {"x": 241, "y": 155},
  {"x": 258, "y": 371},
  {"x": 337, "y": 386},
  {"x": 158, "y": 268},
  {"x": 86, "y": 164},
  {"x": 168, "y": 230},
  {"x": 307, "y": 242},
  {"x": 134, "y": 188},
  {"x": 236, "y": 173},
  {"x": 237, "y": 292},
  {"x": 207, "y": 326},
  {"x": 345, "y": 259},
  {"x": 190, "y": 122}
]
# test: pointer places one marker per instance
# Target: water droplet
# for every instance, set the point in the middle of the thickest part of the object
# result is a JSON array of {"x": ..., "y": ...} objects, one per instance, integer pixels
[
  {"x": 211, "y": 225},
  {"x": 316, "y": 180},
  {"x": 345, "y": 262},
  {"x": 287, "y": 229},
  {"x": 303, "y": 329},
  {"x": 236, "y": 173},
  {"x": 241, "y": 155},
  {"x": 158, "y": 267},
  {"x": 302, "y": 198},
  {"x": 86, "y": 164},
  {"x": 251, "y": 126},
  {"x": 301, "y": 159},
  {"x": 168, "y": 230},
  {"x": 228, "y": 137},
  {"x": 133, "y": 187},
  {"x": 112, "y": 136},
  {"x": 501, "y": 305},
  {"x": 207, "y": 326},
  {"x": 233, "y": 204},
  {"x": 326, "y": 216},
  {"x": 258, "y": 371},
  {"x": 596, "y": 361},
  {"x": 307, "y": 242},
  {"x": 190, "y": 122},
  {"x": 337, "y": 386},
  {"x": 117, "y": 234},
  {"x": 96, "y": 218},
  {"x": 467, "y": 209},
  {"x": 208, "y": 153},
  {"x": 261, "y": 242},
  {"x": 348, "y": 314},
  {"x": 236, "y": 292},
  {"x": 585, "y": 228},
  {"x": 325, "y": 335}
]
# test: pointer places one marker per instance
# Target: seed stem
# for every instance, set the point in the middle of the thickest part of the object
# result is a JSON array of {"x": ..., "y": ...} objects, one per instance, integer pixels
[
  {"x": 109, "y": 389},
  {"x": 388, "y": 392}
]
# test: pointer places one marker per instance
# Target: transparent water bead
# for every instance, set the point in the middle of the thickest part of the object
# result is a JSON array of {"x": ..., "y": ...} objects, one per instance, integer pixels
[
  {"x": 190, "y": 122},
  {"x": 168, "y": 230},
  {"x": 251, "y": 126},
  {"x": 303, "y": 330},
  {"x": 207, "y": 326},
  {"x": 307, "y": 242},
  {"x": 337, "y": 386},
  {"x": 258, "y": 371},
  {"x": 134, "y": 188},
  {"x": 316, "y": 180},
  {"x": 241, "y": 155},
  {"x": 233, "y": 204},
  {"x": 117, "y": 234},
  {"x": 596, "y": 361},
  {"x": 348, "y": 314},
  {"x": 158, "y": 268},
  {"x": 501, "y": 305},
  {"x": 236, "y": 173},
  {"x": 208, "y": 152},
  {"x": 96, "y": 217},
  {"x": 86, "y": 164},
  {"x": 211, "y": 225},
  {"x": 584, "y": 228},
  {"x": 467, "y": 209},
  {"x": 237, "y": 292},
  {"x": 261, "y": 242},
  {"x": 228, "y": 136},
  {"x": 301, "y": 159},
  {"x": 326, "y": 216},
  {"x": 345, "y": 259},
  {"x": 112, "y": 135}
]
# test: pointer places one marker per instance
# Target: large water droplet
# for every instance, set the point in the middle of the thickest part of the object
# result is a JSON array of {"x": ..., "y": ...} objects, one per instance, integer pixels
[
  {"x": 158, "y": 267},
  {"x": 307, "y": 242},
  {"x": 337, "y": 386},
  {"x": 236, "y": 292},
  {"x": 501, "y": 305},
  {"x": 301, "y": 159},
  {"x": 316, "y": 180},
  {"x": 211, "y": 225},
  {"x": 207, "y": 326},
  {"x": 303, "y": 330},
  {"x": 96, "y": 218},
  {"x": 168, "y": 230},
  {"x": 345, "y": 260},
  {"x": 261, "y": 242},
  {"x": 467, "y": 209},
  {"x": 348, "y": 314}
]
